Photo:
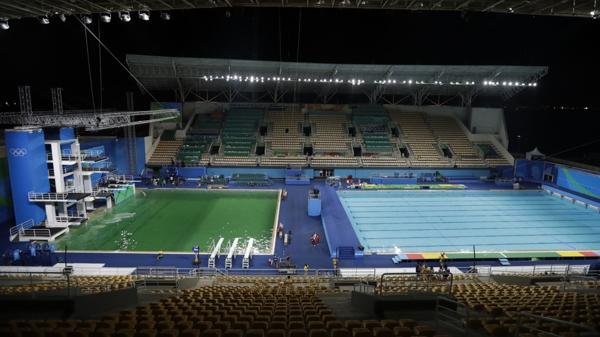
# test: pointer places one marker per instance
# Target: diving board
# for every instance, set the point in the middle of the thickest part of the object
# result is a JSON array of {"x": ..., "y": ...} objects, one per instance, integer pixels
[
  {"x": 247, "y": 254},
  {"x": 230, "y": 256},
  {"x": 215, "y": 253}
]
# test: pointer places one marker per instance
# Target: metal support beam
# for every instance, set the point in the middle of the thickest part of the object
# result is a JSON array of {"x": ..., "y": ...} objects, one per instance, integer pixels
[
  {"x": 57, "y": 102},
  {"x": 131, "y": 139},
  {"x": 25, "y": 99}
]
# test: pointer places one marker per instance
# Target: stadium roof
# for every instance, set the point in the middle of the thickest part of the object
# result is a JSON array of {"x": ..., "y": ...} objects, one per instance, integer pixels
[
  {"x": 25, "y": 8},
  {"x": 231, "y": 80}
]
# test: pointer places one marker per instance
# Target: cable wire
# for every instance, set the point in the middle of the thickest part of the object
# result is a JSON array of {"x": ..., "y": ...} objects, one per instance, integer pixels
[
  {"x": 119, "y": 61},
  {"x": 574, "y": 147},
  {"x": 298, "y": 50},
  {"x": 100, "y": 70},
  {"x": 87, "y": 52}
]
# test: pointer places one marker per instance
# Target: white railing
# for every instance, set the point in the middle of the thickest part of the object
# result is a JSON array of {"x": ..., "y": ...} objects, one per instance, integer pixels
[
  {"x": 37, "y": 233},
  {"x": 550, "y": 269},
  {"x": 47, "y": 196},
  {"x": 15, "y": 230},
  {"x": 64, "y": 170},
  {"x": 119, "y": 179},
  {"x": 106, "y": 166},
  {"x": 92, "y": 154},
  {"x": 67, "y": 219}
]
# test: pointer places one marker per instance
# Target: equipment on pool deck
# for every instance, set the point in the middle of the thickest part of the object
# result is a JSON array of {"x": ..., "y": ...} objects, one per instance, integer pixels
[
  {"x": 215, "y": 253},
  {"x": 247, "y": 254},
  {"x": 230, "y": 256},
  {"x": 314, "y": 202}
]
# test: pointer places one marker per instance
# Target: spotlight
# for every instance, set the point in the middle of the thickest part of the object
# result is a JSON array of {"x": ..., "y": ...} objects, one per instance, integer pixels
[
  {"x": 320, "y": 3},
  {"x": 165, "y": 16},
  {"x": 4, "y": 24},
  {"x": 144, "y": 15},
  {"x": 87, "y": 19},
  {"x": 44, "y": 20},
  {"x": 345, "y": 3},
  {"x": 595, "y": 14},
  {"x": 62, "y": 17},
  {"x": 105, "y": 17},
  {"x": 125, "y": 16}
]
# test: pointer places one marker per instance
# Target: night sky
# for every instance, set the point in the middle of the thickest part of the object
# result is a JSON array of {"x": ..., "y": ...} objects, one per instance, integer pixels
[{"x": 45, "y": 56}]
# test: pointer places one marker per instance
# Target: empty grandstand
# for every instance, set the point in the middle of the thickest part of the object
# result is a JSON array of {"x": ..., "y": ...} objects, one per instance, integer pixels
[{"x": 263, "y": 196}]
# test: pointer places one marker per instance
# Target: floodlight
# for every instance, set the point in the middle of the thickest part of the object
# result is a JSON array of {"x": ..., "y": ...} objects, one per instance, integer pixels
[
  {"x": 86, "y": 19},
  {"x": 44, "y": 19},
  {"x": 105, "y": 17},
  {"x": 4, "y": 24},
  {"x": 144, "y": 15},
  {"x": 125, "y": 16},
  {"x": 165, "y": 16}
]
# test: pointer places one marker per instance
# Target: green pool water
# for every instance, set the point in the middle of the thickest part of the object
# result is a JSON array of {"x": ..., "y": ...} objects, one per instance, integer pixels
[{"x": 176, "y": 220}]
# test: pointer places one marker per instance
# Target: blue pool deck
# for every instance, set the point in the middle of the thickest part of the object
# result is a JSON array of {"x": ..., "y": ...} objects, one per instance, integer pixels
[{"x": 390, "y": 222}]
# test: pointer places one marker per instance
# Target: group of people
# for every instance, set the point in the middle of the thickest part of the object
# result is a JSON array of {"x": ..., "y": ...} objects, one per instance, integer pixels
[
  {"x": 286, "y": 237},
  {"x": 278, "y": 262},
  {"x": 427, "y": 271},
  {"x": 33, "y": 254}
]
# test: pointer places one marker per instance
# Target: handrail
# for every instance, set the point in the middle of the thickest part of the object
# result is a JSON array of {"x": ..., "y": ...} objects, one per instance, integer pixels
[
  {"x": 47, "y": 196},
  {"x": 454, "y": 318},
  {"x": 42, "y": 232},
  {"x": 15, "y": 230},
  {"x": 523, "y": 314}
]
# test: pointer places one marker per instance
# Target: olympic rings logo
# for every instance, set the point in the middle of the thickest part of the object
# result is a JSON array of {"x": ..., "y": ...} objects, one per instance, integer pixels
[{"x": 17, "y": 151}]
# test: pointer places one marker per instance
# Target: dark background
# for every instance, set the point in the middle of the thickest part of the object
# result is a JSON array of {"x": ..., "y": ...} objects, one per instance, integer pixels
[{"x": 54, "y": 55}]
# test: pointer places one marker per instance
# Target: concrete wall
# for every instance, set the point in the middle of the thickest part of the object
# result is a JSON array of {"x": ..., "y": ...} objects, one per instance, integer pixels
[{"x": 489, "y": 121}]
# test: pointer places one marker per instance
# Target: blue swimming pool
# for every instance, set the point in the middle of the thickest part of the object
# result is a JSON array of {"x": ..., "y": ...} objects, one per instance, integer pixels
[{"x": 433, "y": 221}]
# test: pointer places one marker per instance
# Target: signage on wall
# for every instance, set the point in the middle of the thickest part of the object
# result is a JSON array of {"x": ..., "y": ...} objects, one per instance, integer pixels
[{"x": 17, "y": 151}]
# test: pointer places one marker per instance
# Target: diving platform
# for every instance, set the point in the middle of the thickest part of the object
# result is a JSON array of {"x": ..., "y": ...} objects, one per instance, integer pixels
[
  {"x": 57, "y": 197},
  {"x": 29, "y": 231}
]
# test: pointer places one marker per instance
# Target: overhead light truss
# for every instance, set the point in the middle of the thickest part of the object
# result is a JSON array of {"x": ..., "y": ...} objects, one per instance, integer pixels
[{"x": 88, "y": 120}]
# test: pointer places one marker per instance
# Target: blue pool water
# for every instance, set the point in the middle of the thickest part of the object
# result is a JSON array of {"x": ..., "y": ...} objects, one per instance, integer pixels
[{"x": 433, "y": 221}]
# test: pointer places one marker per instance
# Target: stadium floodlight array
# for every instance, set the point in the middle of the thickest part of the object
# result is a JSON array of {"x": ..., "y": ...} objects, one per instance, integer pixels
[
  {"x": 510, "y": 84},
  {"x": 356, "y": 81}
]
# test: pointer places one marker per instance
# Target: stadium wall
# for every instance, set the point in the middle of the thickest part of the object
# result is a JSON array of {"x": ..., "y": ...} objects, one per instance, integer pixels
[
  {"x": 450, "y": 173},
  {"x": 531, "y": 171},
  {"x": 116, "y": 150},
  {"x": 6, "y": 211},
  {"x": 276, "y": 173},
  {"x": 362, "y": 173},
  {"x": 580, "y": 181},
  {"x": 28, "y": 172}
]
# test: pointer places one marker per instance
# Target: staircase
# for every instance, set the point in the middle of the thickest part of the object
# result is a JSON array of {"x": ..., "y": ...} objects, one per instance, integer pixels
[{"x": 164, "y": 152}]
